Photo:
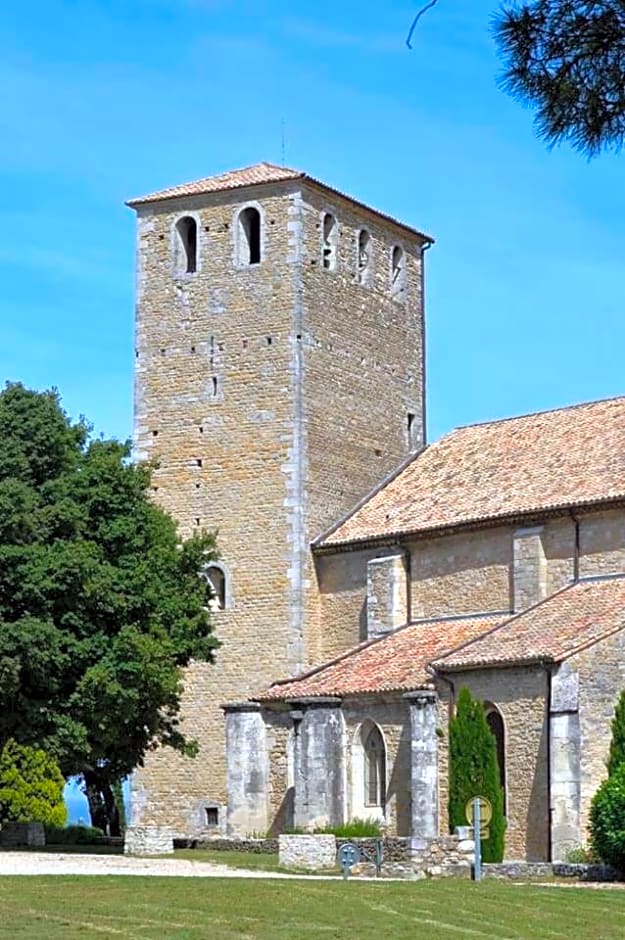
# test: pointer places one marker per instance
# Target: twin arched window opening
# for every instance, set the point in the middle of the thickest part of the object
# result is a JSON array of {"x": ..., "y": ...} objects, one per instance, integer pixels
[
  {"x": 398, "y": 273},
  {"x": 364, "y": 256},
  {"x": 330, "y": 242},
  {"x": 186, "y": 231}
]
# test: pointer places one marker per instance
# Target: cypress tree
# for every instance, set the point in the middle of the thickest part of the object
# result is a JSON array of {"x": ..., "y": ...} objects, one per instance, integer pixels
[
  {"x": 474, "y": 771},
  {"x": 617, "y": 744}
]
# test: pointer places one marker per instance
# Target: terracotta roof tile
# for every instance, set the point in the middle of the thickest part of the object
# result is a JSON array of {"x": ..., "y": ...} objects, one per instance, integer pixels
[
  {"x": 255, "y": 175},
  {"x": 533, "y": 463},
  {"x": 553, "y": 630},
  {"x": 233, "y": 179},
  {"x": 395, "y": 662}
]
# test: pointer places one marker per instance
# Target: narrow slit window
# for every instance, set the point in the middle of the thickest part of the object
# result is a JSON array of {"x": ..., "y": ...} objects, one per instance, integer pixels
[
  {"x": 398, "y": 273},
  {"x": 364, "y": 256},
  {"x": 495, "y": 723},
  {"x": 249, "y": 236},
  {"x": 330, "y": 242},
  {"x": 187, "y": 244}
]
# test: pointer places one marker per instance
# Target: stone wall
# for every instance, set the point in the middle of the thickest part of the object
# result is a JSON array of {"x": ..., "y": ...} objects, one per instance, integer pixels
[
  {"x": 148, "y": 840},
  {"x": 342, "y": 581},
  {"x": 392, "y": 717},
  {"x": 307, "y": 851},
  {"x": 460, "y": 574},
  {"x": 264, "y": 394},
  {"x": 520, "y": 694},
  {"x": 13, "y": 834},
  {"x": 601, "y": 680}
]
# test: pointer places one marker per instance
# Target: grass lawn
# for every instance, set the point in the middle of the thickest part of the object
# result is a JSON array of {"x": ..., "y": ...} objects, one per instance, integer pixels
[{"x": 140, "y": 908}]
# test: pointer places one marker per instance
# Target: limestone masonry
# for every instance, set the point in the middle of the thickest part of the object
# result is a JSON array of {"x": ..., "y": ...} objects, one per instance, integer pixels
[{"x": 364, "y": 577}]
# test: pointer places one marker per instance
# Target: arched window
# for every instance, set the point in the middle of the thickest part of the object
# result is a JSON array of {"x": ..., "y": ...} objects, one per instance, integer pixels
[
  {"x": 249, "y": 236},
  {"x": 375, "y": 767},
  {"x": 330, "y": 242},
  {"x": 398, "y": 273},
  {"x": 364, "y": 256},
  {"x": 217, "y": 586},
  {"x": 494, "y": 721},
  {"x": 186, "y": 229}
]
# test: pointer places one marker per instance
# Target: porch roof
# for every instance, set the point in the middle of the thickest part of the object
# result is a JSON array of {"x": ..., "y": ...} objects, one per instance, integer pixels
[
  {"x": 565, "y": 623},
  {"x": 391, "y": 663}
]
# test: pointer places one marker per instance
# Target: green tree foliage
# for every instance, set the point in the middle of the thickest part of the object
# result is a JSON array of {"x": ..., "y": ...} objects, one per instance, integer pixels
[
  {"x": 617, "y": 744},
  {"x": 607, "y": 819},
  {"x": 31, "y": 786},
  {"x": 566, "y": 60},
  {"x": 474, "y": 772},
  {"x": 100, "y": 605}
]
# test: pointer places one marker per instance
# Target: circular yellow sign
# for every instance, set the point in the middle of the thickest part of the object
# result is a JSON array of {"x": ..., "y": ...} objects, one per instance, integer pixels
[{"x": 486, "y": 811}]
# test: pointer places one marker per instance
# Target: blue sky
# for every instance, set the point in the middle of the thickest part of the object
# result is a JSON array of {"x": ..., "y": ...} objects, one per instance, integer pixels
[{"x": 107, "y": 99}]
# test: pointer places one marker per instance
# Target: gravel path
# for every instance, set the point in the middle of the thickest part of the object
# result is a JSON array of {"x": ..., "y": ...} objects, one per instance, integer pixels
[{"x": 41, "y": 863}]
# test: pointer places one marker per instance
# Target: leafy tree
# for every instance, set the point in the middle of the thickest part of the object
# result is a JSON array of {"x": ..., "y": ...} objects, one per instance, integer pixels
[
  {"x": 31, "y": 786},
  {"x": 474, "y": 771},
  {"x": 101, "y": 606},
  {"x": 607, "y": 819},
  {"x": 566, "y": 59},
  {"x": 617, "y": 744}
]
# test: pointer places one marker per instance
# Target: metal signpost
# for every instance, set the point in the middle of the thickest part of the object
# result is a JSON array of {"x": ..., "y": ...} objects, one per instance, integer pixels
[
  {"x": 479, "y": 812},
  {"x": 349, "y": 855}
]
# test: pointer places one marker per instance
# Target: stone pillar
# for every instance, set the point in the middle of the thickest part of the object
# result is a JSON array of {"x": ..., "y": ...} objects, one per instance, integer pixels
[
  {"x": 387, "y": 594},
  {"x": 247, "y": 769},
  {"x": 319, "y": 763},
  {"x": 424, "y": 763},
  {"x": 564, "y": 763},
  {"x": 529, "y": 568}
]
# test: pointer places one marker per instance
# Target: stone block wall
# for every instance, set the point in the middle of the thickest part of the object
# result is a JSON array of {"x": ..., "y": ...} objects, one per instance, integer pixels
[
  {"x": 148, "y": 840},
  {"x": 521, "y": 696},
  {"x": 312, "y": 851},
  {"x": 257, "y": 391}
]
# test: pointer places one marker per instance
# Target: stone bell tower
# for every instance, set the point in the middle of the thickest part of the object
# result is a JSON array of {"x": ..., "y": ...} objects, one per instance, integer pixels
[{"x": 279, "y": 377}]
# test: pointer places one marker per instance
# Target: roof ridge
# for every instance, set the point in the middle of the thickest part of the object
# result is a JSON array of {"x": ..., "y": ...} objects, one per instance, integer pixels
[{"x": 533, "y": 414}]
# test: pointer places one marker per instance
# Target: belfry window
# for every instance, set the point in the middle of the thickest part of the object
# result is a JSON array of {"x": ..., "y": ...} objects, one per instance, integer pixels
[
  {"x": 398, "y": 273},
  {"x": 217, "y": 587},
  {"x": 375, "y": 768},
  {"x": 249, "y": 236},
  {"x": 364, "y": 256},
  {"x": 329, "y": 242},
  {"x": 186, "y": 229}
]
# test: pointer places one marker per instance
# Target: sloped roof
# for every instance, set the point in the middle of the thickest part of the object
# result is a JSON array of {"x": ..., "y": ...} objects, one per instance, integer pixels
[
  {"x": 558, "y": 627},
  {"x": 255, "y": 175},
  {"x": 233, "y": 179},
  {"x": 395, "y": 662},
  {"x": 537, "y": 462}
]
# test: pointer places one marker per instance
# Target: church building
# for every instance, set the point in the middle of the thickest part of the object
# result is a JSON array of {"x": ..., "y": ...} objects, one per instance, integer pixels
[{"x": 365, "y": 576}]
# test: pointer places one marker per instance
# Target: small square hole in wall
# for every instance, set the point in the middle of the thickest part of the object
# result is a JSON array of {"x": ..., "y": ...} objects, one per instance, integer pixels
[
  {"x": 199, "y": 462},
  {"x": 154, "y": 433},
  {"x": 212, "y": 816},
  {"x": 197, "y": 521}
]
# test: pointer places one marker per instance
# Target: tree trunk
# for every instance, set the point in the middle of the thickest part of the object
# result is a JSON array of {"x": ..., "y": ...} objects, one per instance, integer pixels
[{"x": 102, "y": 805}]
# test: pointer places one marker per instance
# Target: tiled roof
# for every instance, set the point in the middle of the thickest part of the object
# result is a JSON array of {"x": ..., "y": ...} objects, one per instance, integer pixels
[
  {"x": 255, "y": 175},
  {"x": 233, "y": 179},
  {"x": 553, "y": 630},
  {"x": 395, "y": 662},
  {"x": 507, "y": 468}
]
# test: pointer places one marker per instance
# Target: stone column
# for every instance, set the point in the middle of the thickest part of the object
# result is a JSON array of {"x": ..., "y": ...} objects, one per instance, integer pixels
[
  {"x": 424, "y": 763},
  {"x": 319, "y": 763},
  {"x": 529, "y": 568},
  {"x": 564, "y": 763},
  {"x": 387, "y": 594},
  {"x": 247, "y": 768}
]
